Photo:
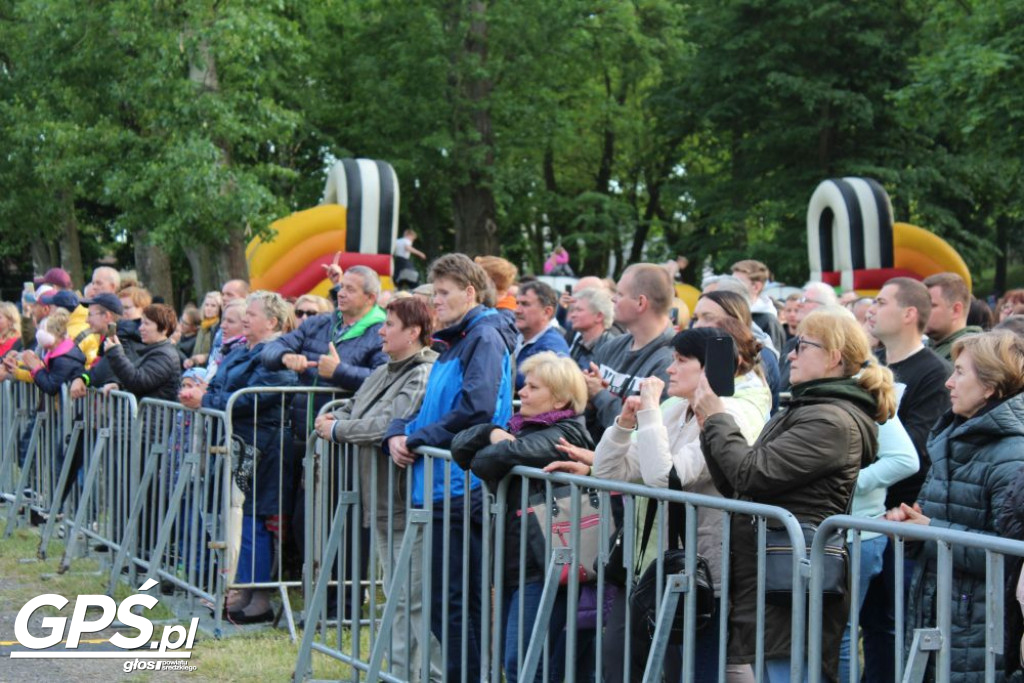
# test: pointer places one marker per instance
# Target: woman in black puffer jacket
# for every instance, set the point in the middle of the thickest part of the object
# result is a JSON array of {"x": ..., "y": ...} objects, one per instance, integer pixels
[
  {"x": 156, "y": 372},
  {"x": 553, "y": 398}
]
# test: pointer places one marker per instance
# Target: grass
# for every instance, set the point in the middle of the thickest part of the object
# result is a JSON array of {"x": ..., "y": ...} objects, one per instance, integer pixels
[{"x": 265, "y": 654}]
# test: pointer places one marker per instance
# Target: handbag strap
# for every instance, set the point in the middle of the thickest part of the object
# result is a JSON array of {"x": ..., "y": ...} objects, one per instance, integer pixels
[{"x": 676, "y": 518}]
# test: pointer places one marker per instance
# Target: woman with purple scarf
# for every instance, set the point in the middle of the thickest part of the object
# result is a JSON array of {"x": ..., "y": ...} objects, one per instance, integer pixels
[{"x": 553, "y": 398}]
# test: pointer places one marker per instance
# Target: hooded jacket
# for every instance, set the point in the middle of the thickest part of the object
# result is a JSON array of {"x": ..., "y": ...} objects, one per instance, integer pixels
[
  {"x": 61, "y": 365},
  {"x": 392, "y": 390},
  {"x": 359, "y": 350},
  {"x": 470, "y": 384},
  {"x": 974, "y": 463},
  {"x": 806, "y": 460}
]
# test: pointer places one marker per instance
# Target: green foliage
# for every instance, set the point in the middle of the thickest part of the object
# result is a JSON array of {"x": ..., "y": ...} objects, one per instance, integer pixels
[{"x": 625, "y": 130}]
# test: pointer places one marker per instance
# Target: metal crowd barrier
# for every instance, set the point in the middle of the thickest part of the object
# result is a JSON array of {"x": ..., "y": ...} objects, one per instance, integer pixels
[
  {"x": 175, "y": 527},
  {"x": 421, "y": 522},
  {"x": 927, "y": 644},
  {"x": 33, "y": 452},
  {"x": 96, "y": 477},
  {"x": 275, "y": 403}
]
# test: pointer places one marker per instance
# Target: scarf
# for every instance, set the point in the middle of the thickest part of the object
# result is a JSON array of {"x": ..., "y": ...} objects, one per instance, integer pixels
[{"x": 518, "y": 422}]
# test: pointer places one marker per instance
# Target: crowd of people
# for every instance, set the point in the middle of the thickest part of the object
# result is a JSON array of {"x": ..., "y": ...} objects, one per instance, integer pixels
[{"x": 907, "y": 406}]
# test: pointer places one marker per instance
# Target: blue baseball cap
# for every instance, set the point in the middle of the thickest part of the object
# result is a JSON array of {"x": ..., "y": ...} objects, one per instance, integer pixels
[
  {"x": 62, "y": 299},
  {"x": 107, "y": 301}
]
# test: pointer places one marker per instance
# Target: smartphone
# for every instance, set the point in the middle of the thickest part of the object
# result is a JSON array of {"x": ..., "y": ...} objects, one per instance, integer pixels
[
  {"x": 111, "y": 330},
  {"x": 673, "y": 315},
  {"x": 720, "y": 365},
  {"x": 30, "y": 286},
  {"x": 568, "y": 290}
]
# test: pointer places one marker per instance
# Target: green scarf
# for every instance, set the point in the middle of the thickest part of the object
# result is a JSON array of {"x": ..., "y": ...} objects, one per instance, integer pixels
[{"x": 373, "y": 316}]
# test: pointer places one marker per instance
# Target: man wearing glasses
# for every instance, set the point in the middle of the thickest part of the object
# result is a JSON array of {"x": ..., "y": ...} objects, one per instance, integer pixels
[{"x": 815, "y": 296}]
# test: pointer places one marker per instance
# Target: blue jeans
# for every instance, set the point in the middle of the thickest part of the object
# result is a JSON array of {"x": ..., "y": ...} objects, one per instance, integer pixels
[
  {"x": 872, "y": 551},
  {"x": 469, "y": 559},
  {"x": 877, "y": 617},
  {"x": 777, "y": 671},
  {"x": 256, "y": 553},
  {"x": 556, "y": 635}
]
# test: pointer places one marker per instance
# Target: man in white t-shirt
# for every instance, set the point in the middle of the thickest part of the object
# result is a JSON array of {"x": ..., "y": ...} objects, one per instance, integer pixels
[{"x": 405, "y": 274}]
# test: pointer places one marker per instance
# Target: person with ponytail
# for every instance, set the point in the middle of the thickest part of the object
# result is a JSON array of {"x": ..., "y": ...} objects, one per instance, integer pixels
[{"x": 806, "y": 460}]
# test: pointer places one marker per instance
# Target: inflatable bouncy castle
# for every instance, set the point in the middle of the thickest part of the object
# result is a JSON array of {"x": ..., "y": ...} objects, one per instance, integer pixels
[
  {"x": 853, "y": 243},
  {"x": 357, "y": 217}
]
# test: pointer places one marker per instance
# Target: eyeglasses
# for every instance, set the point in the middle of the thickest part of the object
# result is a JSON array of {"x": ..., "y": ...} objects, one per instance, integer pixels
[
  {"x": 299, "y": 313},
  {"x": 801, "y": 342}
]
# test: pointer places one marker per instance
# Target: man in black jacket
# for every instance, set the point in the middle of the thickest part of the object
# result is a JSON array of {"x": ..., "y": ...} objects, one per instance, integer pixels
[{"x": 897, "y": 318}]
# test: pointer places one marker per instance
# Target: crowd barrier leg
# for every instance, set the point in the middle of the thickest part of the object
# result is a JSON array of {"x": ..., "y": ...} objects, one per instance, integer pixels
[
  {"x": 129, "y": 551},
  {"x": 417, "y": 523},
  {"x": 57, "y": 505},
  {"x": 316, "y": 613},
  {"x": 91, "y": 475},
  {"x": 24, "y": 476},
  {"x": 560, "y": 559},
  {"x": 167, "y": 524}
]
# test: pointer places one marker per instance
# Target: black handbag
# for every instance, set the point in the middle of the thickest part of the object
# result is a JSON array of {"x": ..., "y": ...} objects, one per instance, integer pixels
[
  {"x": 644, "y": 599},
  {"x": 778, "y": 566}
]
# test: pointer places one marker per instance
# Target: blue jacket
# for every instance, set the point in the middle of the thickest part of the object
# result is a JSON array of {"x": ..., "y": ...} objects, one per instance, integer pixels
[
  {"x": 470, "y": 384},
  {"x": 360, "y": 355},
  {"x": 58, "y": 369},
  {"x": 256, "y": 419},
  {"x": 549, "y": 340}
]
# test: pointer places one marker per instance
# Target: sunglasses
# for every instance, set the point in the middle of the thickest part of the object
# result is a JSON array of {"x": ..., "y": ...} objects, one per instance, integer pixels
[
  {"x": 801, "y": 342},
  {"x": 299, "y": 313}
]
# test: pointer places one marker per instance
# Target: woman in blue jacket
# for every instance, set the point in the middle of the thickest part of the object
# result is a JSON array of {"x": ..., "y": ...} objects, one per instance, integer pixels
[
  {"x": 256, "y": 419},
  {"x": 470, "y": 384}
]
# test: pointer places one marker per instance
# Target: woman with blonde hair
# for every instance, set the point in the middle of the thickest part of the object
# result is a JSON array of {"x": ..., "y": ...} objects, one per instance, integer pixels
[
  {"x": 806, "y": 460},
  {"x": 10, "y": 328},
  {"x": 208, "y": 328},
  {"x": 258, "y": 420},
  {"x": 309, "y": 305},
  {"x": 553, "y": 398}
]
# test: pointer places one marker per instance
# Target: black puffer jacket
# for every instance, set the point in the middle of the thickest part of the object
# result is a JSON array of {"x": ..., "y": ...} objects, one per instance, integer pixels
[
  {"x": 155, "y": 374},
  {"x": 534, "y": 447},
  {"x": 974, "y": 462},
  {"x": 1010, "y": 524}
]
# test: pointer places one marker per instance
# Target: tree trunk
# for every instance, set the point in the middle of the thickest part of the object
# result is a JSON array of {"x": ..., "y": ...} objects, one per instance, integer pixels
[
  {"x": 153, "y": 266},
  {"x": 476, "y": 230},
  {"x": 231, "y": 262},
  {"x": 70, "y": 245},
  {"x": 205, "y": 275},
  {"x": 44, "y": 256}
]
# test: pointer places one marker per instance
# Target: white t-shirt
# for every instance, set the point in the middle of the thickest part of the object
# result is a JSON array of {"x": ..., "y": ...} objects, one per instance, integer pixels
[{"x": 402, "y": 247}]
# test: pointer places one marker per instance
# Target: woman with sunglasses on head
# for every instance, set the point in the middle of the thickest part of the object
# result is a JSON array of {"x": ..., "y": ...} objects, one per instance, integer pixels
[{"x": 806, "y": 460}]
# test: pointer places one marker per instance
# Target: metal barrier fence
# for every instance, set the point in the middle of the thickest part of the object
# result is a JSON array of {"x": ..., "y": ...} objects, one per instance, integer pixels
[
  {"x": 935, "y": 641},
  {"x": 152, "y": 485},
  {"x": 433, "y": 523},
  {"x": 33, "y": 452}
]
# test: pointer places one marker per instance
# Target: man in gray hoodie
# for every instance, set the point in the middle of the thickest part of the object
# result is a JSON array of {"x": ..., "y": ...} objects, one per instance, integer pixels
[{"x": 642, "y": 301}]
